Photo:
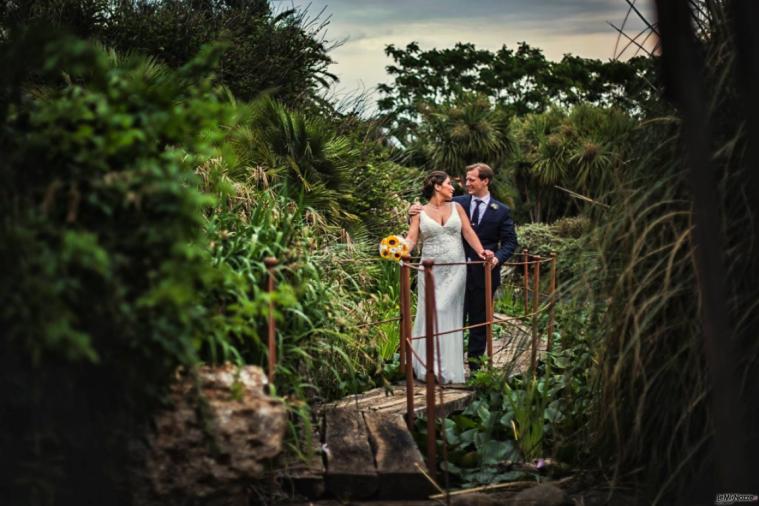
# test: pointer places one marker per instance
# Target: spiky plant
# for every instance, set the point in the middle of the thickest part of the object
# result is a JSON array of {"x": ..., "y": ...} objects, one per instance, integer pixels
[
  {"x": 577, "y": 150},
  {"x": 657, "y": 410},
  {"x": 464, "y": 132},
  {"x": 302, "y": 157}
]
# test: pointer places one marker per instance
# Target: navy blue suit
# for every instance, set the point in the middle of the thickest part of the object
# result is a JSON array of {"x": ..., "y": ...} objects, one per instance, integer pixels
[{"x": 496, "y": 233}]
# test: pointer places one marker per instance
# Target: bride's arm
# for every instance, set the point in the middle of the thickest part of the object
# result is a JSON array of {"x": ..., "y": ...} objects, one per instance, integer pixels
[
  {"x": 469, "y": 234},
  {"x": 413, "y": 232}
]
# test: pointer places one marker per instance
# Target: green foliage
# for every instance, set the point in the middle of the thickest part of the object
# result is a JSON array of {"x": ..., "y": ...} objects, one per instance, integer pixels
[
  {"x": 522, "y": 81},
  {"x": 574, "y": 255},
  {"x": 653, "y": 418},
  {"x": 580, "y": 150},
  {"x": 574, "y": 385},
  {"x": 457, "y": 134},
  {"x": 123, "y": 267},
  {"x": 281, "y": 52},
  {"x": 289, "y": 185},
  {"x": 386, "y": 303},
  {"x": 480, "y": 444},
  {"x": 383, "y": 190},
  {"x": 518, "y": 418},
  {"x": 103, "y": 243},
  {"x": 573, "y": 227},
  {"x": 303, "y": 156},
  {"x": 139, "y": 205},
  {"x": 528, "y": 406},
  {"x": 94, "y": 188},
  {"x": 324, "y": 278},
  {"x": 82, "y": 17},
  {"x": 652, "y": 317}
]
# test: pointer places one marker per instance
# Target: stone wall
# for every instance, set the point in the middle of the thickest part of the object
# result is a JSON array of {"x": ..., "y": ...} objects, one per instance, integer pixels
[{"x": 210, "y": 444}]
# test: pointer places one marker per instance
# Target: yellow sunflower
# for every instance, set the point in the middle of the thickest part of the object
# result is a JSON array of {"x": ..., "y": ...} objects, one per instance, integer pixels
[{"x": 393, "y": 247}]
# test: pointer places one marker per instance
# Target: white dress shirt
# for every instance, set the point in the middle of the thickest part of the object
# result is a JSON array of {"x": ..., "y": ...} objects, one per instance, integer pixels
[{"x": 483, "y": 206}]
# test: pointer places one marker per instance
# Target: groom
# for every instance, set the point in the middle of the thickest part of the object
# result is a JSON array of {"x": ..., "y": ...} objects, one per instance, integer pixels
[{"x": 492, "y": 222}]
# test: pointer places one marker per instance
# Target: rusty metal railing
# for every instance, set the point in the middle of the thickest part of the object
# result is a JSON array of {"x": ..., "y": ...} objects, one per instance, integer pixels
[
  {"x": 432, "y": 334},
  {"x": 271, "y": 328}
]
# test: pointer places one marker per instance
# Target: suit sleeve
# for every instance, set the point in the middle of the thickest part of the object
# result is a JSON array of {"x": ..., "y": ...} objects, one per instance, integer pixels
[{"x": 507, "y": 237}]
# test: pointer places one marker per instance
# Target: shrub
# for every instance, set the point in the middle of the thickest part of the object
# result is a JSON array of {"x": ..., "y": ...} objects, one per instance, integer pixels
[
  {"x": 571, "y": 226},
  {"x": 320, "y": 279},
  {"x": 574, "y": 257},
  {"x": 331, "y": 277},
  {"x": 104, "y": 254},
  {"x": 659, "y": 413}
]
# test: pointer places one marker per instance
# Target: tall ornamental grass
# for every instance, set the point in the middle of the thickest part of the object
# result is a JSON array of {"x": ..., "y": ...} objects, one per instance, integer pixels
[{"x": 654, "y": 418}]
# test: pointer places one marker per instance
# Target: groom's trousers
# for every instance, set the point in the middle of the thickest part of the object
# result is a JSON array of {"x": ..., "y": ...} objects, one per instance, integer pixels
[{"x": 474, "y": 313}]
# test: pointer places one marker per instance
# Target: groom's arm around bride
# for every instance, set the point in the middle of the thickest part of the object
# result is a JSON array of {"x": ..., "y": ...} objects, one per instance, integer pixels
[{"x": 493, "y": 225}]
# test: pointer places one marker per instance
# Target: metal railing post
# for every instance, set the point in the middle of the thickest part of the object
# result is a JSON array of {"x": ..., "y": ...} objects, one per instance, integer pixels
[
  {"x": 406, "y": 339},
  {"x": 271, "y": 263},
  {"x": 401, "y": 344},
  {"x": 552, "y": 308},
  {"x": 535, "y": 303},
  {"x": 488, "y": 266},
  {"x": 429, "y": 323},
  {"x": 526, "y": 257}
]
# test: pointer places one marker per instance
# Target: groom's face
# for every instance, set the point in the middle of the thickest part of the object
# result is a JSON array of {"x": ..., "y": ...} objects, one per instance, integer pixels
[{"x": 474, "y": 185}]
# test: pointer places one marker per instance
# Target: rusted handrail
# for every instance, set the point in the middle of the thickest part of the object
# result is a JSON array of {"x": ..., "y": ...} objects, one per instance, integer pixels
[
  {"x": 535, "y": 303},
  {"x": 552, "y": 302},
  {"x": 401, "y": 322},
  {"x": 526, "y": 257},
  {"x": 488, "y": 268},
  {"x": 432, "y": 334},
  {"x": 477, "y": 325},
  {"x": 404, "y": 318},
  {"x": 271, "y": 263},
  {"x": 430, "y": 314},
  {"x": 536, "y": 260},
  {"x": 418, "y": 264},
  {"x": 405, "y": 344}
]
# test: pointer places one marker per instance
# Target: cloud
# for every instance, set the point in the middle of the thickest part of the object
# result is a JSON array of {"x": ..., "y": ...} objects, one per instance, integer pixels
[
  {"x": 557, "y": 27},
  {"x": 560, "y": 14}
]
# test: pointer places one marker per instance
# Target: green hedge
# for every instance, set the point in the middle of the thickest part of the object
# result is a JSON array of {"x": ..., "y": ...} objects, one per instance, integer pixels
[
  {"x": 104, "y": 256},
  {"x": 569, "y": 238}
]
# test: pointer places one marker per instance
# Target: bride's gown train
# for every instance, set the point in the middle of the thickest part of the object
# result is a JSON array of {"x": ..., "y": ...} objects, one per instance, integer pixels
[{"x": 443, "y": 244}]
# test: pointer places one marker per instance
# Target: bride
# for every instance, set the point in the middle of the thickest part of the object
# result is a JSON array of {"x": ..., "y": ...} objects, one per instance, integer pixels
[{"x": 441, "y": 225}]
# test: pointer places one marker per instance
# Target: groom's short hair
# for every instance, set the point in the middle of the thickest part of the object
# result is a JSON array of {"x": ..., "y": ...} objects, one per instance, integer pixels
[{"x": 483, "y": 171}]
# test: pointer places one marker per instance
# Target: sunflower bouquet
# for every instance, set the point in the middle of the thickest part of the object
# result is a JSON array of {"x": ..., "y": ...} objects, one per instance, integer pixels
[{"x": 393, "y": 247}]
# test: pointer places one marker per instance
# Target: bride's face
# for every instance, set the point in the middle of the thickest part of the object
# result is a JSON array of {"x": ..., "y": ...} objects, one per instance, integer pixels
[{"x": 445, "y": 189}]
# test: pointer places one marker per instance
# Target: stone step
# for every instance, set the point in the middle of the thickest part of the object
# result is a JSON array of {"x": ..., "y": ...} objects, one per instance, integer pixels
[
  {"x": 350, "y": 469},
  {"x": 397, "y": 458},
  {"x": 372, "y": 455}
]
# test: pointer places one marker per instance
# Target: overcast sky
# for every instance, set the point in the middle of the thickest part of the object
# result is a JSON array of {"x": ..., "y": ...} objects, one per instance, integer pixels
[{"x": 556, "y": 26}]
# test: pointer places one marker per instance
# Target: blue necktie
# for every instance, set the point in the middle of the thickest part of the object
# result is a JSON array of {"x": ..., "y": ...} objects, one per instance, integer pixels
[{"x": 476, "y": 212}]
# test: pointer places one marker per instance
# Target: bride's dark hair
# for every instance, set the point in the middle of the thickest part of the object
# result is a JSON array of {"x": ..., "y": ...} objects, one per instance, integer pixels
[{"x": 433, "y": 178}]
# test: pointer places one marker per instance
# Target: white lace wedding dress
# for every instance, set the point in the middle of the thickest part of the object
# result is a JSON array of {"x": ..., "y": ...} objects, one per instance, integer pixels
[{"x": 442, "y": 243}]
